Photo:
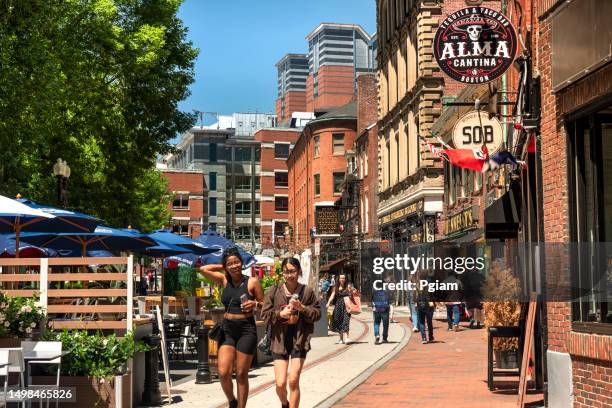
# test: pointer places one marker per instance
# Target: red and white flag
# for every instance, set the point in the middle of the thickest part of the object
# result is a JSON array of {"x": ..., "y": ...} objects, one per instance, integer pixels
[{"x": 468, "y": 158}]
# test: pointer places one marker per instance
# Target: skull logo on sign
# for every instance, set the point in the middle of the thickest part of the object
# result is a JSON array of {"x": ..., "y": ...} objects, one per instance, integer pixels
[{"x": 474, "y": 32}]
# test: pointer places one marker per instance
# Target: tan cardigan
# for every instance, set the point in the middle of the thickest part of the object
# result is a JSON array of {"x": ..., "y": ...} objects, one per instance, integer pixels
[{"x": 305, "y": 325}]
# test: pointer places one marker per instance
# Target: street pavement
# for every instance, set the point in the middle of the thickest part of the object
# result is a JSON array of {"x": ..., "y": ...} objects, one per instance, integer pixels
[
  {"x": 451, "y": 372},
  {"x": 330, "y": 372}
]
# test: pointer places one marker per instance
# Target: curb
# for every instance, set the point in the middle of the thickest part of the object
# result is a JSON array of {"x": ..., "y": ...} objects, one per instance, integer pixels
[{"x": 355, "y": 382}]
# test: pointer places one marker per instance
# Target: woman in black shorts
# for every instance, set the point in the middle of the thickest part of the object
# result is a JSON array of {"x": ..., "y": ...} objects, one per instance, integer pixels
[
  {"x": 241, "y": 295},
  {"x": 292, "y": 308}
]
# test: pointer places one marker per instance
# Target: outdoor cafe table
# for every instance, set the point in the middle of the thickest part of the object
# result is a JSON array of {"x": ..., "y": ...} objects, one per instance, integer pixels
[{"x": 41, "y": 356}]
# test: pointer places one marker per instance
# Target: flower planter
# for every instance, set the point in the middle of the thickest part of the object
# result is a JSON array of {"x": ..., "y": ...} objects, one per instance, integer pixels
[
  {"x": 92, "y": 392},
  {"x": 9, "y": 342},
  {"x": 506, "y": 359}
]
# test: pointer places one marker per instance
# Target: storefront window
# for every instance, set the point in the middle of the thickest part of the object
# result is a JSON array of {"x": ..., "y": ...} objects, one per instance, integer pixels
[{"x": 591, "y": 204}]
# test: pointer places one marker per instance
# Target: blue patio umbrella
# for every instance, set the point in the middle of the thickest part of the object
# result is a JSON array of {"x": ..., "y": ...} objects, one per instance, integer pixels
[
  {"x": 166, "y": 237},
  {"x": 64, "y": 221},
  {"x": 102, "y": 253},
  {"x": 15, "y": 217},
  {"x": 52, "y": 219},
  {"x": 103, "y": 238},
  {"x": 213, "y": 240},
  {"x": 188, "y": 259},
  {"x": 8, "y": 248}
]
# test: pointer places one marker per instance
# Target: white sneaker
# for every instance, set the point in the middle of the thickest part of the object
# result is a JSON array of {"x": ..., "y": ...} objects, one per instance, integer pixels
[
  {"x": 347, "y": 341},
  {"x": 415, "y": 329},
  {"x": 340, "y": 342}
]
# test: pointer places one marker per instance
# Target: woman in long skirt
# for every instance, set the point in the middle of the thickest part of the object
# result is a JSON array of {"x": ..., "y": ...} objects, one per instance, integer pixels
[{"x": 341, "y": 319}]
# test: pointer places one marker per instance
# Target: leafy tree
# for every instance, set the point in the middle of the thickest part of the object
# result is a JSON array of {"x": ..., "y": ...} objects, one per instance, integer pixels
[{"x": 97, "y": 83}]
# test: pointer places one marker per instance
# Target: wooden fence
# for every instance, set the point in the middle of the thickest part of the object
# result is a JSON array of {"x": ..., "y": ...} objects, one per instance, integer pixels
[{"x": 74, "y": 301}]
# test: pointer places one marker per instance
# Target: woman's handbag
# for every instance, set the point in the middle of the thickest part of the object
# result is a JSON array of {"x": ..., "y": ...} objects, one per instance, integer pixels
[
  {"x": 265, "y": 343},
  {"x": 352, "y": 304},
  {"x": 217, "y": 333}
]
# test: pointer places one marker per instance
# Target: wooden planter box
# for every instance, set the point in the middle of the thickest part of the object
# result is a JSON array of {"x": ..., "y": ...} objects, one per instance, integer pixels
[
  {"x": 90, "y": 392},
  {"x": 10, "y": 342}
]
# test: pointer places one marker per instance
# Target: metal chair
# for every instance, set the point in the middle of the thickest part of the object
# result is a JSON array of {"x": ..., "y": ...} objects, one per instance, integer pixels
[
  {"x": 189, "y": 338},
  {"x": 17, "y": 365},
  {"x": 172, "y": 331},
  {"x": 50, "y": 346}
]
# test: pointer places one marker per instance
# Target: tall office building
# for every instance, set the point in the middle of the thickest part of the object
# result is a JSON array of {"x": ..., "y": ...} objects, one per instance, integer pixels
[
  {"x": 337, "y": 54},
  {"x": 292, "y": 75}
]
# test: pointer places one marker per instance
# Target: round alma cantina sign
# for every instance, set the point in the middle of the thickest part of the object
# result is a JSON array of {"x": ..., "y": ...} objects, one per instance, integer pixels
[
  {"x": 475, "y": 45},
  {"x": 475, "y": 128}
]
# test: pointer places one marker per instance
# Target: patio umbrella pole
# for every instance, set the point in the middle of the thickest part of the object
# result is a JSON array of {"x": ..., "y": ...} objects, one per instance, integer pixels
[
  {"x": 161, "y": 288},
  {"x": 17, "y": 232}
]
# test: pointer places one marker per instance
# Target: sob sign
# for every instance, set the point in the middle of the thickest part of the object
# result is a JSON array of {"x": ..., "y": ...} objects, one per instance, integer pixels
[
  {"x": 475, "y": 45},
  {"x": 474, "y": 129}
]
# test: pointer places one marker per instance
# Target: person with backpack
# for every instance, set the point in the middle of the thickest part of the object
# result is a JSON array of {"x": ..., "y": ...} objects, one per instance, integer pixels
[{"x": 381, "y": 306}]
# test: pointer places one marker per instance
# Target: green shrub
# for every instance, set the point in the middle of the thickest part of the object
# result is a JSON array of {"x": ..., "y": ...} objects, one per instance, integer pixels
[{"x": 95, "y": 355}]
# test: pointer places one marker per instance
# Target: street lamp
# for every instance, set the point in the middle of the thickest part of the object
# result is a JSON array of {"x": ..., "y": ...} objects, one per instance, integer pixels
[{"x": 61, "y": 170}]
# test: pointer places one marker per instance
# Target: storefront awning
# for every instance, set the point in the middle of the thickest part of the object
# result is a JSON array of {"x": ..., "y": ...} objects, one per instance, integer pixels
[
  {"x": 333, "y": 264},
  {"x": 502, "y": 217}
]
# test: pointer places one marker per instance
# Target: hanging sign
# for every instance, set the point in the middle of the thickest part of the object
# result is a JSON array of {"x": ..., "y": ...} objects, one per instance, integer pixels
[
  {"x": 475, "y": 45},
  {"x": 475, "y": 128}
]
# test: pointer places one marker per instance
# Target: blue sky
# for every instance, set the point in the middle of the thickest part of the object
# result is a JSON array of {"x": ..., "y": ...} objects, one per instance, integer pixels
[{"x": 240, "y": 41}]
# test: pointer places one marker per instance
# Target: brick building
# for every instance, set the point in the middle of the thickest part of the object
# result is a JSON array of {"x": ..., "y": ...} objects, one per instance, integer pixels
[
  {"x": 316, "y": 168},
  {"x": 366, "y": 153},
  {"x": 337, "y": 54},
  {"x": 411, "y": 86},
  {"x": 188, "y": 212},
  {"x": 575, "y": 150},
  {"x": 562, "y": 199},
  {"x": 275, "y": 146}
]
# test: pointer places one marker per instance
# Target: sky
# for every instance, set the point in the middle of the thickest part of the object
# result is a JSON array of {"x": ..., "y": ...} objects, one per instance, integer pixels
[{"x": 240, "y": 42}]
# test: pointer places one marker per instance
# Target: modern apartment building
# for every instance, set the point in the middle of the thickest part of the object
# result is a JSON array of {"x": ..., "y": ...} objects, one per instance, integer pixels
[
  {"x": 337, "y": 53},
  {"x": 230, "y": 156},
  {"x": 292, "y": 74}
]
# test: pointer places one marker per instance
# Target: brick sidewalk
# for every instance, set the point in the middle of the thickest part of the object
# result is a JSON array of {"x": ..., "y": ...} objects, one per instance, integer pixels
[{"x": 451, "y": 372}]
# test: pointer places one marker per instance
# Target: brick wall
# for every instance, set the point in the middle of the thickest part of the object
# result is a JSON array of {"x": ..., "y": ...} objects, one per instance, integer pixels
[
  {"x": 268, "y": 188},
  {"x": 295, "y": 101},
  {"x": 590, "y": 353},
  {"x": 302, "y": 166},
  {"x": 367, "y": 101},
  {"x": 192, "y": 183}
]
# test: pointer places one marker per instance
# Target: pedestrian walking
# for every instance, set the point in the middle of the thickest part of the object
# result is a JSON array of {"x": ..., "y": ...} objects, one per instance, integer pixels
[
  {"x": 425, "y": 309},
  {"x": 381, "y": 307},
  {"x": 325, "y": 285},
  {"x": 473, "y": 281},
  {"x": 241, "y": 296},
  {"x": 454, "y": 298},
  {"x": 341, "y": 318},
  {"x": 291, "y": 308},
  {"x": 414, "y": 316}
]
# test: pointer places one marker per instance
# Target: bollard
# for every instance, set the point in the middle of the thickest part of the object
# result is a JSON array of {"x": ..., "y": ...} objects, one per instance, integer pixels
[
  {"x": 151, "y": 394},
  {"x": 203, "y": 374}
]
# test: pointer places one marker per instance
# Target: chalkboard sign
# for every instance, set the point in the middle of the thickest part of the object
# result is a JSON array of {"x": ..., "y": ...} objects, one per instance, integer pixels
[
  {"x": 327, "y": 220},
  {"x": 527, "y": 346}
]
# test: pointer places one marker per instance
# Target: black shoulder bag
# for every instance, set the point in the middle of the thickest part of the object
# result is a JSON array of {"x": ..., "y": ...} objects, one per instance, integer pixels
[
  {"x": 216, "y": 332},
  {"x": 266, "y": 342}
]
